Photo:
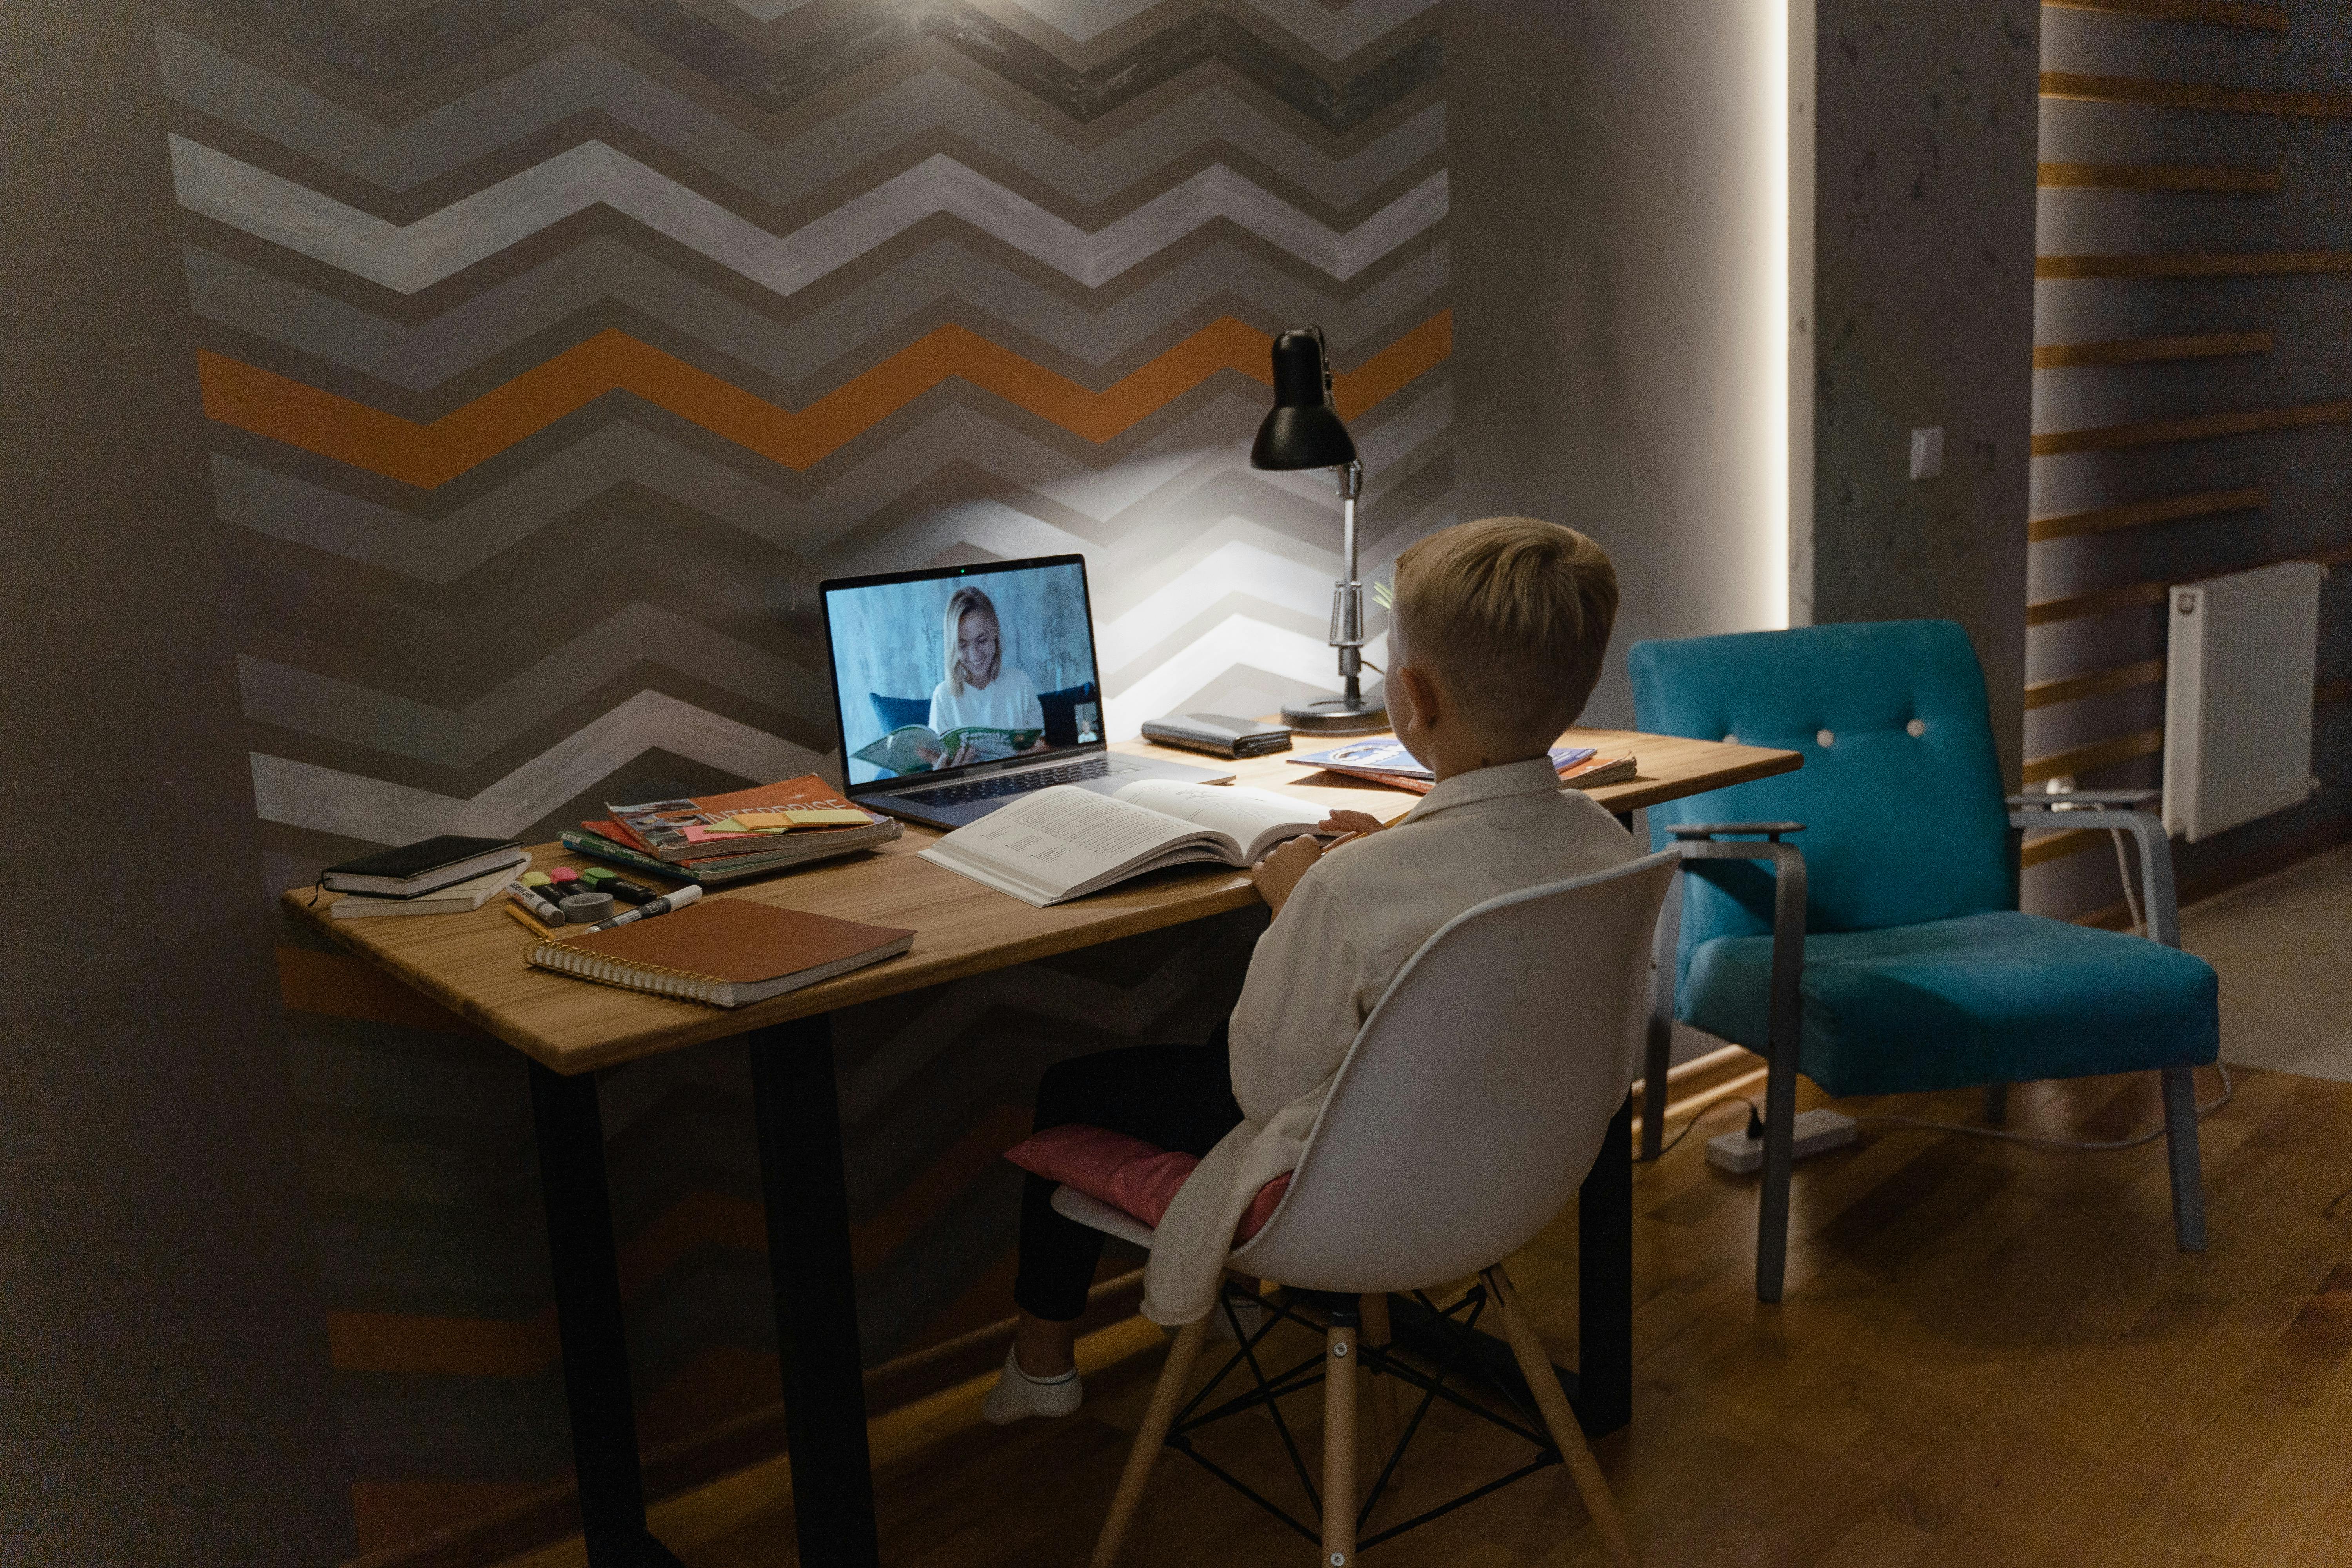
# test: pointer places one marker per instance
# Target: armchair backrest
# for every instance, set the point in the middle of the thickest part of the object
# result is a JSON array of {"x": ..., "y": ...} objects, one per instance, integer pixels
[{"x": 1901, "y": 792}]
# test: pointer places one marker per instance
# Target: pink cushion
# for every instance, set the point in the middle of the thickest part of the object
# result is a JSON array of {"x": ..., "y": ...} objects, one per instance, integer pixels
[{"x": 1128, "y": 1173}]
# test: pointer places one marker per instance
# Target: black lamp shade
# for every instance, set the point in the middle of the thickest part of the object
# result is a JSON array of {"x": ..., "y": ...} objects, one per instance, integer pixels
[{"x": 1303, "y": 431}]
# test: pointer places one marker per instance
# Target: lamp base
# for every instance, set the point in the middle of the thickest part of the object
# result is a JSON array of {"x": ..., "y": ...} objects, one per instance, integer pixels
[{"x": 1337, "y": 716}]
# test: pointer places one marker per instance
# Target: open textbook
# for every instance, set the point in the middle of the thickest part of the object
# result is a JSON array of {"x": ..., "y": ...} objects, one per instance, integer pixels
[{"x": 1063, "y": 842}]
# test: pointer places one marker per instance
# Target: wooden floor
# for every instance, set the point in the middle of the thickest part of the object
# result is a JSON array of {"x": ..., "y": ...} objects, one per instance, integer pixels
[{"x": 1988, "y": 1354}]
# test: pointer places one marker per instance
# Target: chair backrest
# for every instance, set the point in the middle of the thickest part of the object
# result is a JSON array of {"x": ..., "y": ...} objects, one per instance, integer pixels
[
  {"x": 1476, "y": 1095},
  {"x": 898, "y": 712},
  {"x": 1900, "y": 795}
]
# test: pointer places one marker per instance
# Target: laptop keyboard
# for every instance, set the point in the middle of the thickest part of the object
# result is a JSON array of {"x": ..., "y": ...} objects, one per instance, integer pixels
[{"x": 1016, "y": 783}]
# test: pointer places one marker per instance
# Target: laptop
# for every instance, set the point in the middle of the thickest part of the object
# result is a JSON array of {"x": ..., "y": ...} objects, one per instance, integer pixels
[{"x": 959, "y": 687}]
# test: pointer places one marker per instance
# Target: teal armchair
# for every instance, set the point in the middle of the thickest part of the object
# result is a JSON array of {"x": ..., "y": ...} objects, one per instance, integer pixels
[{"x": 1856, "y": 921}]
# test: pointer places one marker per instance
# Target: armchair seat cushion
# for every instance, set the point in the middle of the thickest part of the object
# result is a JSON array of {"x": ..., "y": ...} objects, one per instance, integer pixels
[{"x": 1997, "y": 997}]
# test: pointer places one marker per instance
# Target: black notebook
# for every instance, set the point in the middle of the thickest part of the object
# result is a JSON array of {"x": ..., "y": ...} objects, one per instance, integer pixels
[{"x": 415, "y": 869}]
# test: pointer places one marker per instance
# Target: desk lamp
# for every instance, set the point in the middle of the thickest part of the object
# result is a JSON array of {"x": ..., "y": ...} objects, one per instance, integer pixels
[{"x": 1303, "y": 432}]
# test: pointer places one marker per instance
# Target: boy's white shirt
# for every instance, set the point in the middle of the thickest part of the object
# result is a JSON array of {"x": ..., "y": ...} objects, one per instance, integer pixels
[
  {"x": 1321, "y": 967},
  {"x": 1008, "y": 702}
]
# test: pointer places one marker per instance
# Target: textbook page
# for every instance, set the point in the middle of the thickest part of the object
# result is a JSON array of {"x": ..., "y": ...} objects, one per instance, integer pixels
[
  {"x": 1065, "y": 842},
  {"x": 1254, "y": 819}
]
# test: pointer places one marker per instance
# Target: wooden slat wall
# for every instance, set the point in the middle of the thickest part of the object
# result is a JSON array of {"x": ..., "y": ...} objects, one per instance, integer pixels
[{"x": 2194, "y": 382}]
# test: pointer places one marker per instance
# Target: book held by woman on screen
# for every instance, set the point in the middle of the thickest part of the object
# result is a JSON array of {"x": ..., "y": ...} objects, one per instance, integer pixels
[{"x": 1064, "y": 843}]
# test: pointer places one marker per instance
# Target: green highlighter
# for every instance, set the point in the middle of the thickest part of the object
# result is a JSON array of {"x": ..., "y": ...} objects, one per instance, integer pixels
[{"x": 604, "y": 880}]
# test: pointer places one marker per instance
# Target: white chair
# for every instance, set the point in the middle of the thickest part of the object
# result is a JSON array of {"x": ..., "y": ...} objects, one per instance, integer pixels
[{"x": 1462, "y": 1121}]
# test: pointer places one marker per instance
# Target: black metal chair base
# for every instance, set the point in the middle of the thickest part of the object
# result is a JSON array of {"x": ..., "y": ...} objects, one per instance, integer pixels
[{"x": 1449, "y": 1336}]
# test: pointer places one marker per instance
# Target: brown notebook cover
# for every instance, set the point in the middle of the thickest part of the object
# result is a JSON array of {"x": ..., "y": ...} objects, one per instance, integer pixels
[{"x": 726, "y": 943}]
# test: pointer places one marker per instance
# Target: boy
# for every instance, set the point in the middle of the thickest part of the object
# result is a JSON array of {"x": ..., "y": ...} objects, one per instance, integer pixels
[{"x": 1497, "y": 636}]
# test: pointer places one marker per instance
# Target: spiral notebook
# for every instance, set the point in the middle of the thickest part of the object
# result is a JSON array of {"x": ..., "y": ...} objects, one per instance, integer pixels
[{"x": 724, "y": 951}]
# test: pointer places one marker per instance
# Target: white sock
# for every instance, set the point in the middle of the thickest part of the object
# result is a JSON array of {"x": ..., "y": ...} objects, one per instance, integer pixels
[{"x": 1017, "y": 1395}]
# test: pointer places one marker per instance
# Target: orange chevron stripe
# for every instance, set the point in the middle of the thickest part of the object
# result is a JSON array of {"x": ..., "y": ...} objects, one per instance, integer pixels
[{"x": 427, "y": 454}]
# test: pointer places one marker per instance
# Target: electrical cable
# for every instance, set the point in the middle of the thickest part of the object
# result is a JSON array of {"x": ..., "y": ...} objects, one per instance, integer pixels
[
  {"x": 2122, "y": 869},
  {"x": 2229, "y": 1092},
  {"x": 1755, "y": 1124}
]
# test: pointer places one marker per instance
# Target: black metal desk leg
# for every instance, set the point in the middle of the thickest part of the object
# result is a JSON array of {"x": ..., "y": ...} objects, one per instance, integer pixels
[
  {"x": 1604, "y": 1284},
  {"x": 799, "y": 1117},
  {"x": 589, "y": 1324}
]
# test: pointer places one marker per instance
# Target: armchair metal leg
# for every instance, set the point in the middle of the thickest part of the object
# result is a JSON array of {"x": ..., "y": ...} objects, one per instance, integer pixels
[
  {"x": 1567, "y": 1435},
  {"x": 1339, "y": 1439},
  {"x": 1157, "y": 1418},
  {"x": 1658, "y": 1056},
  {"x": 2181, "y": 1142},
  {"x": 1779, "y": 1163},
  {"x": 1654, "y": 1066},
  {"x": 1996, "y": 1105}
]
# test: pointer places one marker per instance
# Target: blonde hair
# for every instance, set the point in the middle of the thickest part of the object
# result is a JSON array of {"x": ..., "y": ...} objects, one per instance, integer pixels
[
  {"x": 964, "y": 600},
  {"x": 1513, "y": 616}
]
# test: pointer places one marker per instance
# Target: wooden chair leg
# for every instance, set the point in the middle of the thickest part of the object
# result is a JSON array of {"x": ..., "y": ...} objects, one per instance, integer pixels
[
  {"x": 1166, "y": 1398},
  {"x": 1535, "y": 1366},
  {"x": 1339, "y": 1441},
  {"x": 2181, "y": 1139},
  {"x": 1387, "y": 1420}
]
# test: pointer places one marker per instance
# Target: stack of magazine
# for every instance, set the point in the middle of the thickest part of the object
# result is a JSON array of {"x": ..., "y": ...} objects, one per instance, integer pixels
[{"x": 717, "y": 838}]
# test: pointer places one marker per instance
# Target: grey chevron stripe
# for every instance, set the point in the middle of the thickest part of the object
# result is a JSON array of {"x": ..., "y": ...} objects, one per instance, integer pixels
[
  {"x": 312, "y": 704},
  {"x": 1335, "y": 33},
  {"x": 324, "y": 800},
  {"x": 581, "y": 77},
  {"x": 440, "y": 550},
  {"x": 457, "y": 30},
  {"x": 255, "y": 300}
]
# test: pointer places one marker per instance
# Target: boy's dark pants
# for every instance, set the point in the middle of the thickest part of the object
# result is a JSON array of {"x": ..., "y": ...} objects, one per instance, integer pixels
[{"x": 1178, "y": 1098}]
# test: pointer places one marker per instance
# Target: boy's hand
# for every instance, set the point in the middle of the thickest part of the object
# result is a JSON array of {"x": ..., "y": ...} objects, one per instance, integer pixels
[
  {"x": 1354, "y": 823},
  {"x": 1278, "y": 875}
]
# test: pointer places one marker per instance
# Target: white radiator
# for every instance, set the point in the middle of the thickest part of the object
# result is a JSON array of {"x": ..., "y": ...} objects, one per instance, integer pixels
[{"x": 2237, "y": 698}]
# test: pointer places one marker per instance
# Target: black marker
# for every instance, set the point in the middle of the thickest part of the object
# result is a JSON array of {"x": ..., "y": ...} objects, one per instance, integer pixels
[{"x": 660, "y": 906}]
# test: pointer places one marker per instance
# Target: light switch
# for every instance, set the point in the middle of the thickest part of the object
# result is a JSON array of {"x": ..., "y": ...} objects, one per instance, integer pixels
[{"x": 1927, "y": 452}]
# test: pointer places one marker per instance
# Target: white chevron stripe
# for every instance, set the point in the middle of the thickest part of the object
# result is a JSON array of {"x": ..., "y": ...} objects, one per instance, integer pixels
[
  {"x": 1236, "y": 639},
  {"x": 414, "y": 257},
  {"x": 583, "y": 77},
  {"x": 326, "y": 800},
  {"x": 444, "y": 549},
  {"x": 359, "y": 715}
]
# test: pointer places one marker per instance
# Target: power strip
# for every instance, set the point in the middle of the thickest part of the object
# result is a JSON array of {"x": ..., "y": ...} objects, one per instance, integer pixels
[{"x": 1815, "y": 1131}]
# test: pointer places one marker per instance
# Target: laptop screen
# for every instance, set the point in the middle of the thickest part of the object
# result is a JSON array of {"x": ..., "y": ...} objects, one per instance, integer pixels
[{"x": 938, "y": 672}]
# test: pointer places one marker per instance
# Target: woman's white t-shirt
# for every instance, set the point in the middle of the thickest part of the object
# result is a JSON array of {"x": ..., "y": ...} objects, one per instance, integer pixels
[{"x": 1008, "y": 702}]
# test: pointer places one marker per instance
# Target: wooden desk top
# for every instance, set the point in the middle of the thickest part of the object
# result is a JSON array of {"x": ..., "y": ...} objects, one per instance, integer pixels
[{"x": 473, "y": 964}]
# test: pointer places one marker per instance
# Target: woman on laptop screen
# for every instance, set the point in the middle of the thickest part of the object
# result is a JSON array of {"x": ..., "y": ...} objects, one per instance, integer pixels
[{"x": 980, "y": 689}]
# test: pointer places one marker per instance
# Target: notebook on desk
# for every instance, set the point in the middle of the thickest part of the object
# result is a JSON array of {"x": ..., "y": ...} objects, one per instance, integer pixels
[{"x": 724, "y": 951}]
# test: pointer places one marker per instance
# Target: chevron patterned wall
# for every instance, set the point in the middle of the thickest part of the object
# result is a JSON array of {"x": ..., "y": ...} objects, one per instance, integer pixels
[{"x": 553, "y": 351}]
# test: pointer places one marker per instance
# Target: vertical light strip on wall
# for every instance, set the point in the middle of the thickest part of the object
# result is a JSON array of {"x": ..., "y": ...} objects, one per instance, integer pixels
[{"x": 1789, "y": 137}]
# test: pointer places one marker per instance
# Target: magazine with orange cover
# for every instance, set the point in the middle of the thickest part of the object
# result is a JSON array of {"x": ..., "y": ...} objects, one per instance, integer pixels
[{"x": 701, "y": 827}]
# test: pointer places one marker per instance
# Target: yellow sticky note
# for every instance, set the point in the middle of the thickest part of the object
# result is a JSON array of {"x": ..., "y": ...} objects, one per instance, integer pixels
[
  {"x": 729, "y": 825},
  {"x": 825, "y": 816}
]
